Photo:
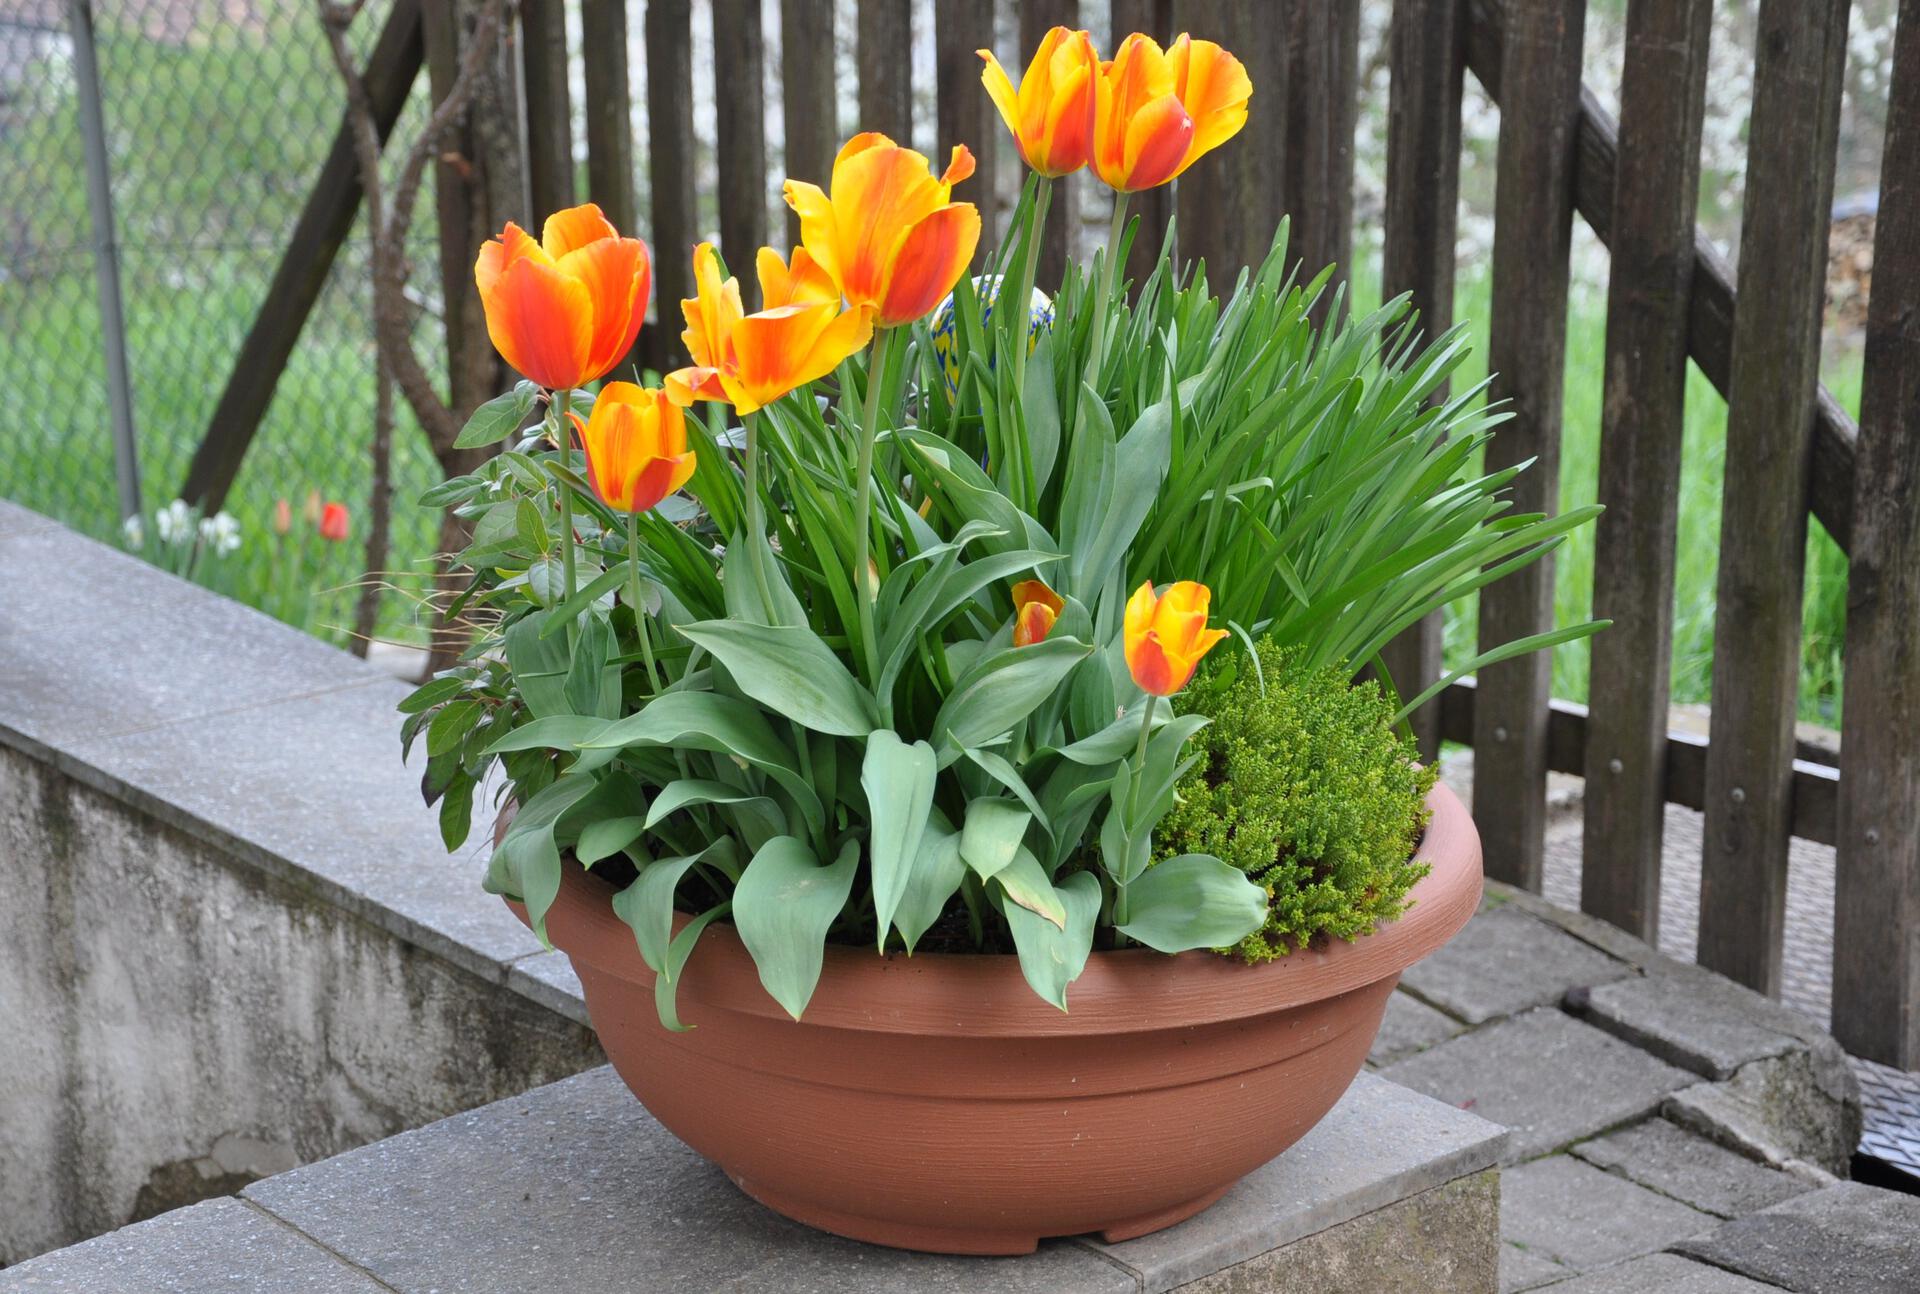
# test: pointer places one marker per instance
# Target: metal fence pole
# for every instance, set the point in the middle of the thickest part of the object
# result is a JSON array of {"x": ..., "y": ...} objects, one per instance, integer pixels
[{"x": 106, "y": 256}]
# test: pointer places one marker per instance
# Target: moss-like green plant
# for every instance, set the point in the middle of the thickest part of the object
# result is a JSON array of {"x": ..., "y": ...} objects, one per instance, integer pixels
[{"x": 1305, "y": 785}]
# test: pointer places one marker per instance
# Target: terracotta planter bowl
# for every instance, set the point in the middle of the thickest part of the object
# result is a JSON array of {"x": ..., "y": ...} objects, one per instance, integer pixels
[{"x": 935, "y": 1103}]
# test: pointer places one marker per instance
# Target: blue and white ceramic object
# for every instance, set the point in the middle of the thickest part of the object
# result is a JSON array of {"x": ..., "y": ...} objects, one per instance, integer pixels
[{"x": 987, "y": 288}]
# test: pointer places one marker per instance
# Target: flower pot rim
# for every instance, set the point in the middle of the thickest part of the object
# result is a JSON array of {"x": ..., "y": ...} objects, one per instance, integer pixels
[{"x": 1129, "y": 990}]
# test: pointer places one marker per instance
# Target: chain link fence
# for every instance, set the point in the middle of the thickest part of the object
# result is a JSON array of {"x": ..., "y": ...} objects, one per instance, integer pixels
[{"x": 216, "y": 116}]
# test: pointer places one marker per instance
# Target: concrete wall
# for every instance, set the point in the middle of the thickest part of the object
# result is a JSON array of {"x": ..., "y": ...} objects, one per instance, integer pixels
[{"x": 223, "y": 956}]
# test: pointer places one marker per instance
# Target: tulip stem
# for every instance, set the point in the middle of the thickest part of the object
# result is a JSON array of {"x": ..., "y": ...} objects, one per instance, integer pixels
[
  {"x": 1102, "y": 301},
  {"x": 563, "y": 437},
  {"x": 756, "y": 515},
  {"x": 1019, "y": 329},
  {"x": 638, "y": 604},
  {"x": 880, "y": 358}
]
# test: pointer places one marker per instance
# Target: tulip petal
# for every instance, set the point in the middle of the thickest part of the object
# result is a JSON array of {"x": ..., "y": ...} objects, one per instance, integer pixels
[
  {"x": 686, "y": 385},
  {"x": 1157, "y": 141},
  {"x": 1068, "y": 132},
  {"x": 497, "y": 255},
  {"x": 618, "y": 274},
  {"x": 541, "y": 322},
  {"x": 576, "y": 227},
  {"x": 959, "y": 166},
  {"x": 931, "y": 259},
  {"x": 999, "y": 87},
  {"x": 653, "y": 479},
  {"x": 1154, "y": 670},
  {"x": 818, "y": 230}
]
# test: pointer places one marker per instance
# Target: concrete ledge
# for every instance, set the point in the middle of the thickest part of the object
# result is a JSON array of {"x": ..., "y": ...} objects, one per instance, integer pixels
[{"x": 575, "y": 1187}]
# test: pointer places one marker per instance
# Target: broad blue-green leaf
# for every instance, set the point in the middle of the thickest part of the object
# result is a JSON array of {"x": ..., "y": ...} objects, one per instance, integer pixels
[
  {"x": 898, "y": 780},
  {"x": 788, "y": 669},
  {"x": 1052, "y": 958},
  {"x": 934, "y": 878},
  {"x": 991, "y": 833},
  {"x": 1041, "y": 409},
  {"x": 599, "y": 590},
  {"x": 1000, "y": 690},
  {"x": 1193, "y": 901},
  {"x": 741, "y": 588},
  {"x": 539, "y": 668},
  {"x": 666, "y": 984},
  {"x": 557, "y": 732},
  {"x": 647, "y": 907},
  {"x": 1001, "y": 770},
  {"x": 783, "y": 906},
  {"x": 761, "y": 811},
  {"x": 605, "y": 837},
  {"x": 1118, "y": 740},
  {"x": 498, "y": 418},
  {"x": 593, "y": 685},
  {"x": 1025, "y": 882},
  {"x": 1140, "y": 466},
  {"x": 527, "y": 862}
]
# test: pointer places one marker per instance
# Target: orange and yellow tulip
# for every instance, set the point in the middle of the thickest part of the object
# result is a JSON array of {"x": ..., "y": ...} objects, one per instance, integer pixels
[
  {"x": 1158, "y": 112},
  {"x": 1035, "y": 608},
  {"x": 749, "y": 360},
  {"x": 1166, "y": 636},
  {"x": 636, "y": 446},
  {"x": 565, "y": 309},
  {"x": 888, "y": 233},
  {"x": 1051, "y": 114}
]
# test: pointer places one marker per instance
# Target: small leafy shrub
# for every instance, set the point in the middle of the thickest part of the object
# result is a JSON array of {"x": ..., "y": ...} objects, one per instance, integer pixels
[{"x": 1306, "y": 786}]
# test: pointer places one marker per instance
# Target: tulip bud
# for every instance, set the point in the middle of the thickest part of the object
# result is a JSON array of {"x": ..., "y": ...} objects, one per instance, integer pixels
[{"x": 333, "y": 522}]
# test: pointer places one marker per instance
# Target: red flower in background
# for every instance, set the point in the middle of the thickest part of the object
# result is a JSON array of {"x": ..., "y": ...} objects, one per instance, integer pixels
[{"x": 333, "y": 522}]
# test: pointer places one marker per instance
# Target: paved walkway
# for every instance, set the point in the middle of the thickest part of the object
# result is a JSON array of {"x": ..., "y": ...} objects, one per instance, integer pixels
[{"x": 1670, "y": 1129}]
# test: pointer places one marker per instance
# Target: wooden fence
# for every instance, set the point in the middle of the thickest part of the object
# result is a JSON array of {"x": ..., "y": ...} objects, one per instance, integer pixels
[{"x": 1791, "y": 450}]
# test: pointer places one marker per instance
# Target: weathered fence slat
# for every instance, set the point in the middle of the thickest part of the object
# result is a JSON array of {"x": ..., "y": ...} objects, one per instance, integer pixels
[
  {"x": 325, "y": 220},
  {"x": 883, "y": 49},
  {"x": 1876, "y": 963},
  {"x": 1799, "y": 61},
  {"x": 1230, "y": 200},
  {"x": 1643, "y": 420},
  {"x": 1323, "y": 62},
  {"x": 1533, "y": 225},
  {"x": 809, "y": 94},
  {"x": 740, "y": 122},
  {"x": 966, "y": 115},
  {"x": 463, "y": 216},
  {"x": 1037, "y": 18},
  {"x": 543, "y": 35},
  {"x": 1426, "y": 58},
  {"x": 609, "y": 111},
  {"x": 1710, "y": 332},
  {"x": 669, "y": 171}
]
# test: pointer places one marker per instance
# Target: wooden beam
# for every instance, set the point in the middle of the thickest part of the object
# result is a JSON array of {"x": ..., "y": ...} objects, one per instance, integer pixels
[
  {"x": 1231, "y": 201},
  {"x": 1799, "y": 66},
  {"x": 1816, "y": 786},
  {"x": 1152, "y": 208},
  {"x": 1710, "y": 324},
  {"x": 670, "y": 173},
  {"x": 1426, "y": 56},
  {"x": 883, "y": 49},
  {"x": 740, "y": 119},
  {"x": 810, "y": 94},
  {"x": 1322, "y": 42},
  {"x": 543, "y": 39},
  {"x": 1643, "y": 421},
  {"x": 325, "y": 221},
  {"x": 1037, "y": 17},
  {"x": 1526, "y": 350},
  {"x": 1876, "y": 931},
  {"x": 609, "y": 113},
  {"x": 966, "y": 115}
]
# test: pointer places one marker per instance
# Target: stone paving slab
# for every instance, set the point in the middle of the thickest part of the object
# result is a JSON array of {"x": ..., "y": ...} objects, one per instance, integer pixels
[
  {"x": 1522, "y": 1269},
  {"x": 574, "y": 1186},
  {"x": 1848, "y": 1237},
  {"x": 1662, "y": 1274},
  {"x": 1676, "y": 1163},
  {"x": 221, "y": 1245},
  {"x": 1546, "y": 1076},
  {"x": 16, "y": 520},
  {"x": 1695, "y": 1019},
  {"x": 1504, "y": 962},
  {"x": 1409, "y": 1026},
  {"x": 1574, "y": 1214}
]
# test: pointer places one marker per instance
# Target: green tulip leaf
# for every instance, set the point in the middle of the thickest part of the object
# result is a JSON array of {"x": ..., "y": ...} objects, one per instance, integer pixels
[
  {"x": 783, "y": 906},
  {"x": 788, "y": 669},
  {"x": 898, "y": 780},
  {"x": 1193, "y": 901},
  {"x": 1051, "y": 957}
]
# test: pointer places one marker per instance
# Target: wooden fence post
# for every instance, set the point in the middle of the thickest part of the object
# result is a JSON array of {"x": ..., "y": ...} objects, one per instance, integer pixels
[
  {"x": 1323, "y": 67},
  {"x": 1230, "y": 201},
  {"x": 462, "y": 220},
  {"x": 809, "y": 96},
  {"x": 966, "y": 115},
  {"x": 670, "y": 172},
  {"x": 883, "y": 47},
  {"x": 1662, "y": 99},
  {"x": 740, "y": 119},
  {"x": 1037, "y": 18},
  {"x": 1533, "y": 226},
  {"x": 1876, "y": 936},
  {"x": 609, "y": 109},
  {"x": 1798, "y": 67},
  {"x": 543, "y": 35},
  {"x": 1427, "y": 63}
]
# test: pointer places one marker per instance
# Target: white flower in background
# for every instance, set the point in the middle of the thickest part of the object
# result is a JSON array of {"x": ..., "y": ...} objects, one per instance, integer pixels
[
  {"x": 220, "y": 532},
  {"x": 135, "y": 530},
  {"x": 174, "y": 522}
]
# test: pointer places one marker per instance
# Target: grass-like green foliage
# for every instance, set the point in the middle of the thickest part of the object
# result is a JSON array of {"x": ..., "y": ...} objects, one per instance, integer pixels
[{"x": 1304, "y": 784}]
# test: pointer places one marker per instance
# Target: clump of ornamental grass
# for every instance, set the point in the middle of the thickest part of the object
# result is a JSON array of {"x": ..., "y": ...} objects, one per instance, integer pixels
[{"x": 1304, "y": 784}]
